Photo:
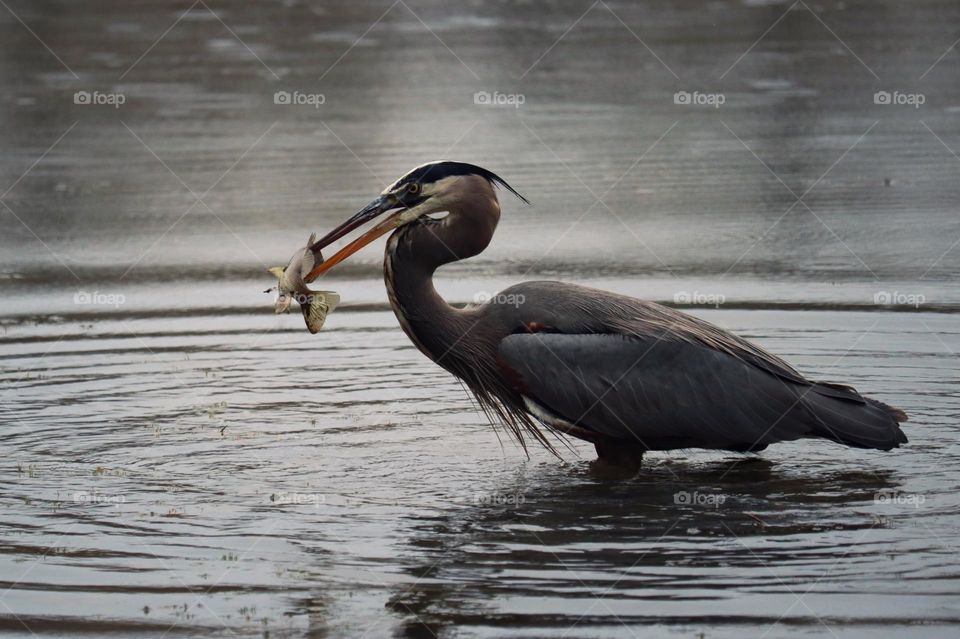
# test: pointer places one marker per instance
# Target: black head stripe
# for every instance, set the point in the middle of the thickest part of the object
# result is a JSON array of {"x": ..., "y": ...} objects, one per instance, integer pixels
[{"x": 436, "y": 171}]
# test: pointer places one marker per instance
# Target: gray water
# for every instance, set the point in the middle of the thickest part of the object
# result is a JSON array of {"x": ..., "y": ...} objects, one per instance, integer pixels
[{"x": 178, "y": 461}]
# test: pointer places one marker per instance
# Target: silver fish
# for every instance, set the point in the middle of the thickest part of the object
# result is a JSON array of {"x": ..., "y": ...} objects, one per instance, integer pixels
[{"x": 292, "y": 285}]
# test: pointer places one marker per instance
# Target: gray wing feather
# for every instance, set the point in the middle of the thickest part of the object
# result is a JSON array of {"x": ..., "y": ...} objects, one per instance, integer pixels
[
  {"x": 669, "y": 393},
  {"x": 597, "y": 311}
]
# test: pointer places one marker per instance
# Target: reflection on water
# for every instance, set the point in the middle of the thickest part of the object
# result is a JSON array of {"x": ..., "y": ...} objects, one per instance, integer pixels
[
  {"x": 178, "y": 461},
  {"x": 599, "y": 550},
  {"x": 200, "y": 472}
]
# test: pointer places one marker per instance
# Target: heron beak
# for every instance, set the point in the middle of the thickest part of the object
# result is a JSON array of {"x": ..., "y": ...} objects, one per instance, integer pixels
[
  {"x": 370, "y": 211},
  {"x": 376, "y": 208}
]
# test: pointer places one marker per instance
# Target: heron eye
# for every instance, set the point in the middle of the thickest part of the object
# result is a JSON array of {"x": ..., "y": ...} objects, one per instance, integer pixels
[{"x": 413, "y": 188}]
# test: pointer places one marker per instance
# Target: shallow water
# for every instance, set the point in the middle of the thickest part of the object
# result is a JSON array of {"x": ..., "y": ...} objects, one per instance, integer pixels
[{"x": 178, "y": 461}]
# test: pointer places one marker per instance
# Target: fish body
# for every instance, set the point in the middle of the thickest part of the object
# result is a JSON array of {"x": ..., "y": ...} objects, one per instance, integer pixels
[{"x": 292, "y": 286}]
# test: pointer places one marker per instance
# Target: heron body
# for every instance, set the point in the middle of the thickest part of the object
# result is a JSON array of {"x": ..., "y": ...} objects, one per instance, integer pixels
[{"x": 625, "y": 374}]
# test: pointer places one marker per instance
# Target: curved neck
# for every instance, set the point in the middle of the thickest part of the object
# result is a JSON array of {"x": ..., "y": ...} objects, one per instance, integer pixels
[{"x": 413, "y": 254}]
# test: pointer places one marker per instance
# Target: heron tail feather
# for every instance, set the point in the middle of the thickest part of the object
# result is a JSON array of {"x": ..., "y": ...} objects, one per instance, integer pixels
[{"x": 845, "y": 416}]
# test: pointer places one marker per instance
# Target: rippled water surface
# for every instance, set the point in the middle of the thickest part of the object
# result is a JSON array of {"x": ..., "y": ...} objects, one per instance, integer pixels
[{"x": 178, "y": 461}]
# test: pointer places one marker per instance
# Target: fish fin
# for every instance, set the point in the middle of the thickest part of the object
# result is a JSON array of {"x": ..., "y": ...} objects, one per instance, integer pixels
[
  {"x": 282, "y": 305},
  {"x": 315, "y": 312},
  {"x": 276, "y": 271},
  {"x": 332, "y": 299},
  {"x": 317, "y": 261}
]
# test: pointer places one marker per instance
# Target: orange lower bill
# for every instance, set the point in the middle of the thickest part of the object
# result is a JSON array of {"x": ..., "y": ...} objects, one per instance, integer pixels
[{"x": 379, "y": 230}]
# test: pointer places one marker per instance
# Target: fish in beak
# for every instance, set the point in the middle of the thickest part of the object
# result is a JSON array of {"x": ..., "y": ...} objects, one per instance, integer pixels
[{"x": 292, "y": 286}]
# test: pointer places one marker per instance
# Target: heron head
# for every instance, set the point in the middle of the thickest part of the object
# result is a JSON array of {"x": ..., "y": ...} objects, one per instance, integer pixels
[{"x": 429, "y": 188}]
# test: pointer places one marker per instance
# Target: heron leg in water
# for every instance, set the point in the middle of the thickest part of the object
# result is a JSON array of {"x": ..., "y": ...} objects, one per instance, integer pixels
[{"x": 619, "y": 452}]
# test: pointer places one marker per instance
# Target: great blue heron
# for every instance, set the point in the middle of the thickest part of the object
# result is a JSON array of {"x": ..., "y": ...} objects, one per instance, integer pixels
[{"x": 625, "y": 374}]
